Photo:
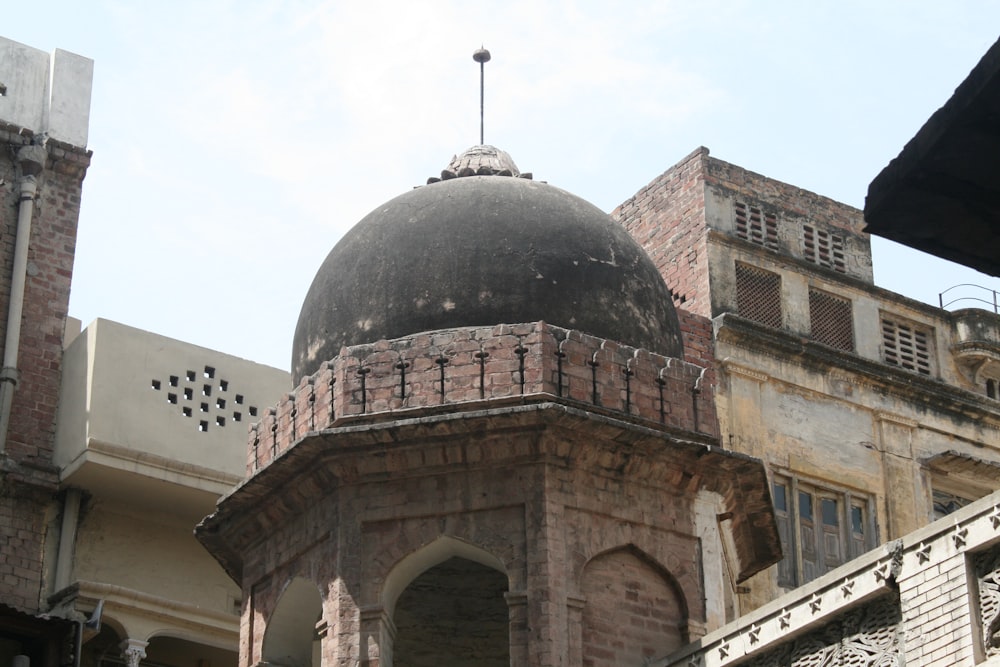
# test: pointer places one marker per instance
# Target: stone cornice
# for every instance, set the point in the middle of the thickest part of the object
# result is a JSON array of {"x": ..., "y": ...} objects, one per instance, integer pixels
[
  {"x": 134, "y": 608},
  {"x": 736, "y": 369},
  {"x": 895, "y": 419},
  {"x": 319, "y": 463}
]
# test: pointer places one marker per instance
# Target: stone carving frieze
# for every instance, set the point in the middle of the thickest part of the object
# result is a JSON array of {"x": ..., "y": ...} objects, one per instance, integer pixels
[
  {"x": 866, "y": 637},
  {"x": 987, "y": 566}
]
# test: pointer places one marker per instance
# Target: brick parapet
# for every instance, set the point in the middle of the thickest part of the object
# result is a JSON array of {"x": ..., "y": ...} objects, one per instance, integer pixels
[{"x": 465, "y": 366}]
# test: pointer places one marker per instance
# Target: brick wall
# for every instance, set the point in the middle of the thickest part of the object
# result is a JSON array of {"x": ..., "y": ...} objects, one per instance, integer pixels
[
  {"x": 631, "y": 612},
  {"x": 28, "y": 479},
  {"x": 667, "y": 218}
]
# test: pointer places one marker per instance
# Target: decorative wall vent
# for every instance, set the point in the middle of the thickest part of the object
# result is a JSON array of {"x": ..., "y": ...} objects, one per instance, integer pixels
[
  {"x": 823, "y": 248},
  {"x": 830, "y": 320},
  {"x": 206, "y": 399},
  {"x": 758, "y": 295},
  {"x": 755, "y": 226},
  {"x": 865, "y": 637},
  {"x": 907, "y": 345},
  {"x": 987, "y": 566}
]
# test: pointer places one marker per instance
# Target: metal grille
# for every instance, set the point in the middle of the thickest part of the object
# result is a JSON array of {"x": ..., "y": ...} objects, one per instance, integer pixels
[
  {"x": 906, "y": 345},
  {"x": 758, "y": 295},
  {"x": 753, "y": 225},
  {"x": 830, "y": 320},
  {"x": 823, "y": 248}
]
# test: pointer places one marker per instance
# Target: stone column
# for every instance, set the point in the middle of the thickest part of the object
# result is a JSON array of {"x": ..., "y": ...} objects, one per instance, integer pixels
[{"x": 134, "y": 651}]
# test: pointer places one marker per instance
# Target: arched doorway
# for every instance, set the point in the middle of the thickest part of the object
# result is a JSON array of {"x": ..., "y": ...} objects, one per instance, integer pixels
[
  {"x": 454, "y": 614},
  {"x": 290, "y": 637}
]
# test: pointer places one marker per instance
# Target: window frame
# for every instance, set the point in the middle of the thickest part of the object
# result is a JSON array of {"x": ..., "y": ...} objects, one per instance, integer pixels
[{"x": 794, "y": 569}]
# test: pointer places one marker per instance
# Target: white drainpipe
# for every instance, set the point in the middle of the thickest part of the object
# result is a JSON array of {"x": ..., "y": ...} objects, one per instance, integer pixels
[{"x": 32, "y": 161}]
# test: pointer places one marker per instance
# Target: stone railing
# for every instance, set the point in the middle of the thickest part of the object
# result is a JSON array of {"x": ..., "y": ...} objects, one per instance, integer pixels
[{"x": 533, "y": 361}]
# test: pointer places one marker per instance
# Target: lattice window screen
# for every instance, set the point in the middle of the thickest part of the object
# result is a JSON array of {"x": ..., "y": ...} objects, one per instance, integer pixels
[
  {"x": 830, "y": 320},
  {"x": 758, "y": 295},
  {"x": 756, "y": 226},
  {"x": 823, "y": 248},
  {"x": 906, "y": 345}
]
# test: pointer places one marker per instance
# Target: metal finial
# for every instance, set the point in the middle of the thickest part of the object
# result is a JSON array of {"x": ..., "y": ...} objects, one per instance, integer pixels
[{"x": 481, "y": 56}]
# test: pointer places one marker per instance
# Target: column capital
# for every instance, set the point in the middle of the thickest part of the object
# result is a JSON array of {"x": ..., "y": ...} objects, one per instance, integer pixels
[{"x": 134, "y": 651}]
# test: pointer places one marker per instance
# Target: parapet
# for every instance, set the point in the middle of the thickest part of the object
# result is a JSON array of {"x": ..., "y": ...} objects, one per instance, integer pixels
[
  {"x": 45, "y": 93},
  {"x": 462, "y": 368}
]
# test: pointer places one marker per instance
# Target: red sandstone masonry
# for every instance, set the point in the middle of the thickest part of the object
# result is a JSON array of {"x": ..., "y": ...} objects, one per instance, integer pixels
[{"x": 463, "y": 366}]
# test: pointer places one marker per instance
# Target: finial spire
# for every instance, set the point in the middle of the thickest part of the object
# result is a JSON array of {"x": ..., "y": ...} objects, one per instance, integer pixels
[{"x": 481, "y": 56}]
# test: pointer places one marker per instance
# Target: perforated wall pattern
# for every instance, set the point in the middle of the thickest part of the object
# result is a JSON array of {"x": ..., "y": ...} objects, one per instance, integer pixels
[
  {"x": 987, "y": 566},
  {"x": 758, "y": 295},
  {"x": 756, "y": 226},
  {"x": 866, "y": 637},
  {"x": 207, "y": 400},
  {"x": 830, "y": 320}
]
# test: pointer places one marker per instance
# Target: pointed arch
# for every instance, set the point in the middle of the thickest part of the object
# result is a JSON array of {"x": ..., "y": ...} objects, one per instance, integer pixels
[
  {"x": 423, "y": 559},
  {"x": 290, "y": 635},
  {"x": 633, "y": 608}
]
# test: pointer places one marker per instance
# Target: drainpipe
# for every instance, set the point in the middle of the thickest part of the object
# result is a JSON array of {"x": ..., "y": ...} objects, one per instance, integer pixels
[{"x": 31, "y": 160}]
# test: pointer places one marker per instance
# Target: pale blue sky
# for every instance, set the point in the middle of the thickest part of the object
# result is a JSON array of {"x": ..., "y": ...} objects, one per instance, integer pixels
[{"x": 235, "y": 142}]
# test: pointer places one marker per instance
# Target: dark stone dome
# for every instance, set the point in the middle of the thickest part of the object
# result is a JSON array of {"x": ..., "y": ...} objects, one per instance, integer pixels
[{"x": 479, "y": 251}]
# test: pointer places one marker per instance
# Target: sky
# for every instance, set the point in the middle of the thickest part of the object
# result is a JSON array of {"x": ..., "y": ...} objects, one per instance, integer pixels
[{"x": 235, "y": 142}]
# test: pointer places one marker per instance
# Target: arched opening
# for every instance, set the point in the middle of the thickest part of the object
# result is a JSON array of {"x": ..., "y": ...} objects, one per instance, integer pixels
[
  {"x": 632, "y": 612},
  {"x": 453, "y": 615},
  {"x": 290, "y": 637}
]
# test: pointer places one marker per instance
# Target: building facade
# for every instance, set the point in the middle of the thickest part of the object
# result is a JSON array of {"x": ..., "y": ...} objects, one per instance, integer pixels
[
  {"x": 874, "y": 413},
  {"x": 711, "y": 440},
  {"x": 44, "y": 118}
]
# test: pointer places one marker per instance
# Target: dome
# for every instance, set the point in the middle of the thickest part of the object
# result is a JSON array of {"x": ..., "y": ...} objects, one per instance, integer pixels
[{"x": 481, "y": 250}]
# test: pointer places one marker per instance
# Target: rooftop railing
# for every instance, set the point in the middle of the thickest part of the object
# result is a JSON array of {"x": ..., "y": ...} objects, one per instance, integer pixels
[{"x": 970, "y": 294}]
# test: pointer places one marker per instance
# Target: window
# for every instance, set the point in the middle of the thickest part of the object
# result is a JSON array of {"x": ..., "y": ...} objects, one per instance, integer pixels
[
  {"x": 758, "y": 295},
  {"x": 823, "y": 248},
  {"x": 945, "y": 503},
  {"x": 907, "y": 345},
  {"x": 820, "y": 528},
  {"x": 830, "y": 320},
  {"x": 755, "y": 226}
]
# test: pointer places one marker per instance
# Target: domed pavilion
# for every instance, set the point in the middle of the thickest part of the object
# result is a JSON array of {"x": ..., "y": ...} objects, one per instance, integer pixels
[{"x": 496, "y": 453}]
